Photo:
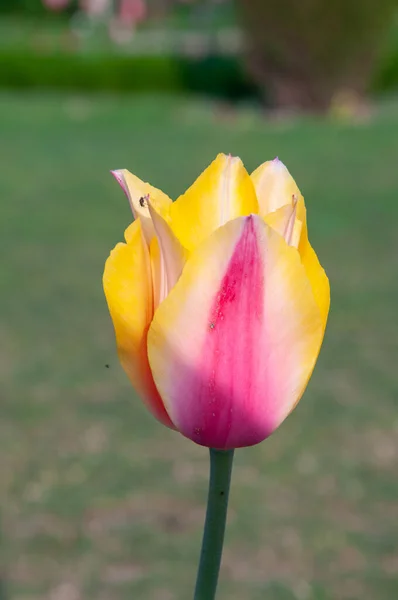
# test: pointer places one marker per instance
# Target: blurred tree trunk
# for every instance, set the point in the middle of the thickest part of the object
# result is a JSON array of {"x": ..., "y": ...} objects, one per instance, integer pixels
[{"x": 303, "y": 52}]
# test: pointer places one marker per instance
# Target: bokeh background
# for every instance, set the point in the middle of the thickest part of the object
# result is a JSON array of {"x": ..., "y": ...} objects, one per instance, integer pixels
[{"x": 98, "y": 501}]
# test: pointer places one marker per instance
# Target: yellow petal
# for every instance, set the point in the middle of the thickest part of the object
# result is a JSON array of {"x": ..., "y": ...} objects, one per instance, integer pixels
[
  {"x": 128, "y": 290},
  {"x": 138, "y": 192},
  {"x": 222, "y": 192},
  {"x": 316, "y": 274},
  {"x": 233, "y": 345},
  {"x": 275, "y": 187}
]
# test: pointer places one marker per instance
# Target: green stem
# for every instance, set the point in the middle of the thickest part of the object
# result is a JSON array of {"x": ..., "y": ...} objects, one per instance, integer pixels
[{"x": 216, "y": 516}]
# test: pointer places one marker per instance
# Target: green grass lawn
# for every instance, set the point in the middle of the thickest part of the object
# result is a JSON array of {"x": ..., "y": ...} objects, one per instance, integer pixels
[{"x": 99, "y": 502}]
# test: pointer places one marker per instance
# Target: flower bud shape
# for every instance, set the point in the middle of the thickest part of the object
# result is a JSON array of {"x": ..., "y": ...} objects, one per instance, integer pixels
[{"x": 218, "y": 301}]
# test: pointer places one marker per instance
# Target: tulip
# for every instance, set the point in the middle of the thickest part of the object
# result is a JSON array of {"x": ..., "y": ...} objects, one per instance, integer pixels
[
  {"x": 218, "y": 301},
  {"x": 219, "y": 305}
]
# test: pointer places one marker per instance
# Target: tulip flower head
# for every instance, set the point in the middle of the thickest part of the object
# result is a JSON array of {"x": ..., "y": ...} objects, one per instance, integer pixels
[{"x": 218, "y": 301}]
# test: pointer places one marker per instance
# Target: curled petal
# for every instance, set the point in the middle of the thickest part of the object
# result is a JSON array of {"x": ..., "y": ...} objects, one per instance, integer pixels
[
  {"x": 233, "y": 345},
  {"x": 138, "y": 192},
  {"x": 128, "y": 290},
  {"x": 222, "y": 192},
  {"x": 167, "y": 257},
  {"x": 158, "y": 270}
]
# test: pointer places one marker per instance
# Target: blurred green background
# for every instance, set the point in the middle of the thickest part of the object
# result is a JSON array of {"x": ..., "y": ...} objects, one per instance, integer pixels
[{"x": 98, "y": 501}]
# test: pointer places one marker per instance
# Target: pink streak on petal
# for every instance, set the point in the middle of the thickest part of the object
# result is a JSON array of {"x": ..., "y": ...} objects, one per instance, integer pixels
[{"x": 227, "y": 408}]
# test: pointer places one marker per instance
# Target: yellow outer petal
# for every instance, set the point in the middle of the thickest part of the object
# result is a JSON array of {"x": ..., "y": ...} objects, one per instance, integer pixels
[
  {"x": 316, "y": 275},
  {"x": 128, "y": 290},
  {"x": 221, "y": 193}
]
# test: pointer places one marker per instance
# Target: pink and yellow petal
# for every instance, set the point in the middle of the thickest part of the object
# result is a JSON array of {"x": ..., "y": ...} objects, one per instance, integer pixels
[
  {"x": 232, "y": 347},
  {"x": 128, "y": 290},
  {"x": 221, "y": 193}
]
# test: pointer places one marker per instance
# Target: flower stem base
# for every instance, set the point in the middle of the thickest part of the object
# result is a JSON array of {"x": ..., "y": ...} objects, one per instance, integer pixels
[{"x": 216, "y": 515}]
